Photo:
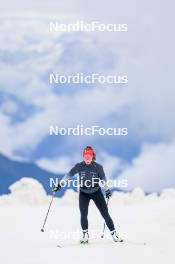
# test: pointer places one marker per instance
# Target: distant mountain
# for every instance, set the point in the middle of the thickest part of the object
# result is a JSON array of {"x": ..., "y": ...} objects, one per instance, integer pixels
[{"x": 12, "y": 171}]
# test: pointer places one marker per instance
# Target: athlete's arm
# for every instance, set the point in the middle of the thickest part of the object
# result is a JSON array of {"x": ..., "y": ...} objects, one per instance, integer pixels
[
  {"x": 103, "y": 177},
  {"x": 65, "y": 178}
]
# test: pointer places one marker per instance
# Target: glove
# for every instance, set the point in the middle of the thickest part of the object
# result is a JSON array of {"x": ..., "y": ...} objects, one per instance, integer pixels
[
  {"x": 56, "y": 188},
  {"x": 108, "y": 194}
]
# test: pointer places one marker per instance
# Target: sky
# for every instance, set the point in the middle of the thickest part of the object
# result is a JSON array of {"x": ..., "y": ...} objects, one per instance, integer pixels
[
  {"x": 19, "y": 6},
  {"x": 29, "y": 105}
]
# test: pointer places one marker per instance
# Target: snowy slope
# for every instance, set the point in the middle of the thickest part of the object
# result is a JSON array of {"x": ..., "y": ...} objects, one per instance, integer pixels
[{"x": 148, "y": 219}]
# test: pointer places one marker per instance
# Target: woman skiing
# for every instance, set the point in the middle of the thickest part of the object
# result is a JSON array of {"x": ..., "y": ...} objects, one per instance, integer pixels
[{"x": 90, "y": 173}]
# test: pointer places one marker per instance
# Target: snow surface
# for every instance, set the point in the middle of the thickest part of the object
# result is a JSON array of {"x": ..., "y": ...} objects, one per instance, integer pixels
[{"x": 139, "y": 218}]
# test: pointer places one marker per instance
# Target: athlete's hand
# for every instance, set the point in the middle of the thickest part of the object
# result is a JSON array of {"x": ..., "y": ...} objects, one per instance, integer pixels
[
  {"x": 56, "y": 188},
  {"x": 108, "y": 193}
]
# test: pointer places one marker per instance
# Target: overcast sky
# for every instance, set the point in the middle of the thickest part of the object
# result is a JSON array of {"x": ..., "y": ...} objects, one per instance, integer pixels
[
  {"x": 45, "y": 6},
  {"x": 110, "y": 9},
  {"x": 146, "y": 105}
]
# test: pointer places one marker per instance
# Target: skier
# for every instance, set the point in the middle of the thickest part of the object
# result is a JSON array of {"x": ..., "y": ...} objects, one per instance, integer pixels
[{"x": 90, "y": 173}]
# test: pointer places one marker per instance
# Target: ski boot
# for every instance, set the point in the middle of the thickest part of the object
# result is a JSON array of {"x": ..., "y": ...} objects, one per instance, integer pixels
[
  {"x": 85, "y": 238},
  {"x": 115, "y": 237}
]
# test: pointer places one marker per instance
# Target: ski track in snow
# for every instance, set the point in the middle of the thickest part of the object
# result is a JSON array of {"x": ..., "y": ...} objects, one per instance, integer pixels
[{"x": 150, "y": 221}]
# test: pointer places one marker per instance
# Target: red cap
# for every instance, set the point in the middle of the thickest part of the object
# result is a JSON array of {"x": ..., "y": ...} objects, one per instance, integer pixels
[{"x": 87, "y": 151}]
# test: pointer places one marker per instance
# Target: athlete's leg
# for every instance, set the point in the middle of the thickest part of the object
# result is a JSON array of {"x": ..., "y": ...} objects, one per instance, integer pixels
[
  {"x": 83, "y": 205},
  {"x": 100, "y": 202}
]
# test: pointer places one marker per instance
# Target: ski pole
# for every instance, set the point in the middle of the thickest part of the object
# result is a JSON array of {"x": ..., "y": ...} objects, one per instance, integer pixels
[
  {"x": 42, "y": 229},
  {"x": 104, "y": 226}
]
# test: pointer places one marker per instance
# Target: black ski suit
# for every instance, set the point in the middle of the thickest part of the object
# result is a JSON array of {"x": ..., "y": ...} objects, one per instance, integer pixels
[{"x": 93, "y": 191}]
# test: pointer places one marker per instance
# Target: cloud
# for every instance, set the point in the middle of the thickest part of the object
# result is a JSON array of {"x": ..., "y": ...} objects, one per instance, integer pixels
[
  {"x": 9, "y": 107},
  {"x": 63, "y": 164},
  {"x": 39, "y": 7},
  {"x": 153, "y": 169},
  {"x": 34, "y": 55},
  {"x": 146, "y": 105},
  {"x": 57, "y": 165},
  {"x": 112, "y": 164}
]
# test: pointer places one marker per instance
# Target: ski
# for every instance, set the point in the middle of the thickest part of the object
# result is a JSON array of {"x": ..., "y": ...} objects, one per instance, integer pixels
[
  {"x": 84, "y": 243},
  {"x": 136, "y": 243},
  {"x": 59, "y": 246},
  {"x": 107, "y": 242}
]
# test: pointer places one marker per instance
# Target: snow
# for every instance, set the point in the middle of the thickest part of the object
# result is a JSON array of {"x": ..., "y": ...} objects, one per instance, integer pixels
[
  {"x": 168, "y": 193},
  {"x": 27, "y": 190},
  {"x": 139, "y": 218}
]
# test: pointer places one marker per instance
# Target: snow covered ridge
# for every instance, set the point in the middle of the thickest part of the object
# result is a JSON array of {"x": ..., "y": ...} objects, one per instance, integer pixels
[{"x": 30, "y": 191}]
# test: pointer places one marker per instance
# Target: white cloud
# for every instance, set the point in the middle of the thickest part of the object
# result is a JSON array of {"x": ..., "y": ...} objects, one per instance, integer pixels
[
  {"x": 39, "y": 7},
  {"x": 9, "y": 107},
  {"x": 146, "y": 106},
  {"x": 57, "y": 165},
  {"x": 112, "y": 164},
  {"x": 63, "y": 164},
  {"x": 153, "y": 169}
]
